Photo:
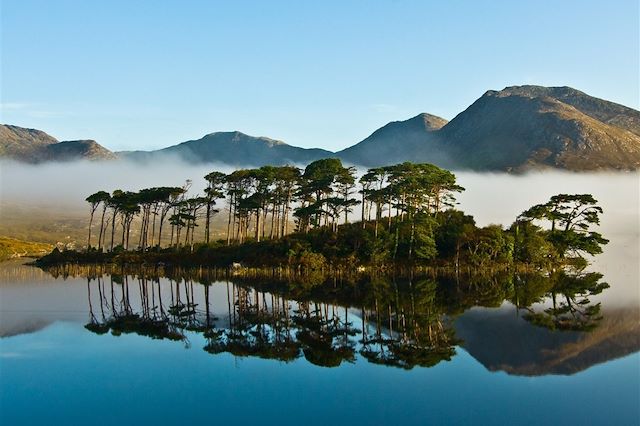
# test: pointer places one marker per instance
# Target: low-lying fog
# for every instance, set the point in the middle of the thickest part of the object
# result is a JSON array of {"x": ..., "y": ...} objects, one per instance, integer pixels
[{"x": 490, "y": 198}]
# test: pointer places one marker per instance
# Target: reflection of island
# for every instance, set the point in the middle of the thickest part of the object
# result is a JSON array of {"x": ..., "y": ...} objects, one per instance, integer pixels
[
  {"x": 552, "y": 327},
  {"x": 24, "y": 315},
  {"x": 502, "y": 341},
  {"x": 11, "y": 328}
]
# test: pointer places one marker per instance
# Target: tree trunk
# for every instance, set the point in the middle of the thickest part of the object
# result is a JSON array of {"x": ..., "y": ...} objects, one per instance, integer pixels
[
  {"x": 413, "y": 233},
  {"x": 104, "y": 209},
  {"x": 229, "y": 220},
  {"x": 206, "y": 225},
  {"x": 153, "y": 228},
  {"x": 363, "y": 209},
  {"x": 90, "y": 223},
  {"x": 113, "y": 228}
]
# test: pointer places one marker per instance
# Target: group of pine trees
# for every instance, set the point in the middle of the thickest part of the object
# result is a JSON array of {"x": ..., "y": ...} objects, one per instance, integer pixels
[
  {"x": 262, "y": 202},
  {"x": 405, "y": 213}
]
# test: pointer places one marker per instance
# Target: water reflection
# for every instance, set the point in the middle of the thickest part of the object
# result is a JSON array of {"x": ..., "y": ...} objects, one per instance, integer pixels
[
  {"x": 571, "y": 307},
  {"x": 393, "y": 321}
]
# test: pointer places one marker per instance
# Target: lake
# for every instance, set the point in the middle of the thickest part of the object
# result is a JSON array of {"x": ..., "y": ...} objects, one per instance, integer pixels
[
  {"x": 133, "y": 348},
  {"x": 76, "y": 350}
]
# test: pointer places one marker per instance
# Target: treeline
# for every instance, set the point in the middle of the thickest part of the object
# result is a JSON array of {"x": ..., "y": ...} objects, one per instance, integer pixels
[
  {"x": 262, "y": 202},
  {"x": 406, "y": 215}
]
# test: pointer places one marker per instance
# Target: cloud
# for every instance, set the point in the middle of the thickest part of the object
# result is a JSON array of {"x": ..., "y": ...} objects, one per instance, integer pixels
[
  {"x": 31, "y": 110},
  {"x": 13, "y": 106}
]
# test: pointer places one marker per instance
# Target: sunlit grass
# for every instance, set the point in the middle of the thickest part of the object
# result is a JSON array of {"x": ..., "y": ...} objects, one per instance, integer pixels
[{"x": 11, "y": 247}]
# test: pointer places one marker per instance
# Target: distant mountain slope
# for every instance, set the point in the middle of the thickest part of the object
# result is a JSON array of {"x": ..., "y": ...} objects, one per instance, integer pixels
[
  {"x": 508, "y": 130},
  {"x": 73, "y": 150},
  {"x": 515, "y": 129},
  {"x": 235, "y": 149},
  {"x": 397, "y": 142},
  {"x": 34, "y": 146},
  {"x": 23, "y": 144}
]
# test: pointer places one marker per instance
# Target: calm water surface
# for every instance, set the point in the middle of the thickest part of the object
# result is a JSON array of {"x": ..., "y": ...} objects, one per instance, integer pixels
[{"x": 277, "y": 361}]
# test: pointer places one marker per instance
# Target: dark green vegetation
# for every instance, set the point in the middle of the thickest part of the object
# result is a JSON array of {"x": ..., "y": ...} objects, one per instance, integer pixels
[
  {"x": 400, "y": 322},
  {"x": 406, "y": 220},
  {"x": 515, "y": 129}
]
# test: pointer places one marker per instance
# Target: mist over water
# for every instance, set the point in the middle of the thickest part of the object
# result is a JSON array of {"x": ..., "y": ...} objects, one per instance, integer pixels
[
  {"x": 500, "y": 198},
  {"x": 73, "y": 182},
  {"x": 490, "y": 198}
]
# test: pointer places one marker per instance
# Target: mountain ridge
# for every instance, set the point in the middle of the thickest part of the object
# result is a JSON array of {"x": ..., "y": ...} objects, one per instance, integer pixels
[
  {"x": 515, "y": 129},
  {"x": 233, "y": 148},
  {"x": 412, "y": 134}
]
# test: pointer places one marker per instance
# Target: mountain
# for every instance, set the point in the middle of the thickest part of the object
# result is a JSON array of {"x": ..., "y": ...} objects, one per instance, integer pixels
[
  {"x": 397, "y": 142},
  {"x": 23, "y": 144},
  {"x": 73, "y": 150},
  {"x": 527, "y": 127},
  {"x": 34, "y": 146},
  {"x": 235, "y": 149},
  {"x": 515, "y": 129}
]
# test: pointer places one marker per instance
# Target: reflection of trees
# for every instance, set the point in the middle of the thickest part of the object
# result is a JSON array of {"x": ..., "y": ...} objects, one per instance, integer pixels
[
  {"x": 464, "y": 292},
  {"x": 569, "y": 294},
  {"x": 324, "y": 334},
  {"x": 259, "y": 325},
  {"x": 152, "y": 319},
  {"x": 404, "y": 322},
  {"x": 408, "y": 327}
]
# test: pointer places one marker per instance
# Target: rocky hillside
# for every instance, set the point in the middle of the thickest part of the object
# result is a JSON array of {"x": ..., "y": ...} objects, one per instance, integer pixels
[
  {"x": 515, "y": 129},
  {"x": 604, "y": 111},
  {"x": 35, "y": 146},
  {"x": 23, "y": 144},
  {"x": 396, "y": 142},
  {"x": 523, "y": 128},
  {"x": 235, "y": 149}
]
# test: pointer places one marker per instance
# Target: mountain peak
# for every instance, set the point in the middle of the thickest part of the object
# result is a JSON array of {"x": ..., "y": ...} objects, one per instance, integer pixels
[
  {"x": 431, "y": 122},
  {"x": 236, "y": 149},
  {"x": 605, "y": 111},
  {"x": 395, "y": 142},
  {"x": 239, "y": 137},
  {"x": 533, "y": 91}
]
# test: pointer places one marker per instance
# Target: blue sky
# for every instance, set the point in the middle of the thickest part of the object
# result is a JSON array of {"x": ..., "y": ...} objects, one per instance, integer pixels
[{"x": 144, "y": 75}]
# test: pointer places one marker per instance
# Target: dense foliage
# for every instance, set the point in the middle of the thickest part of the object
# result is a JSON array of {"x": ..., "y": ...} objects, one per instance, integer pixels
[{"x": 407, "y": 217}]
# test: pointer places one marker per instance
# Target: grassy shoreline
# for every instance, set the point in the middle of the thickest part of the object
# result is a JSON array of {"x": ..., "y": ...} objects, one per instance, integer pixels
[{"x": 11, "y": 248}]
